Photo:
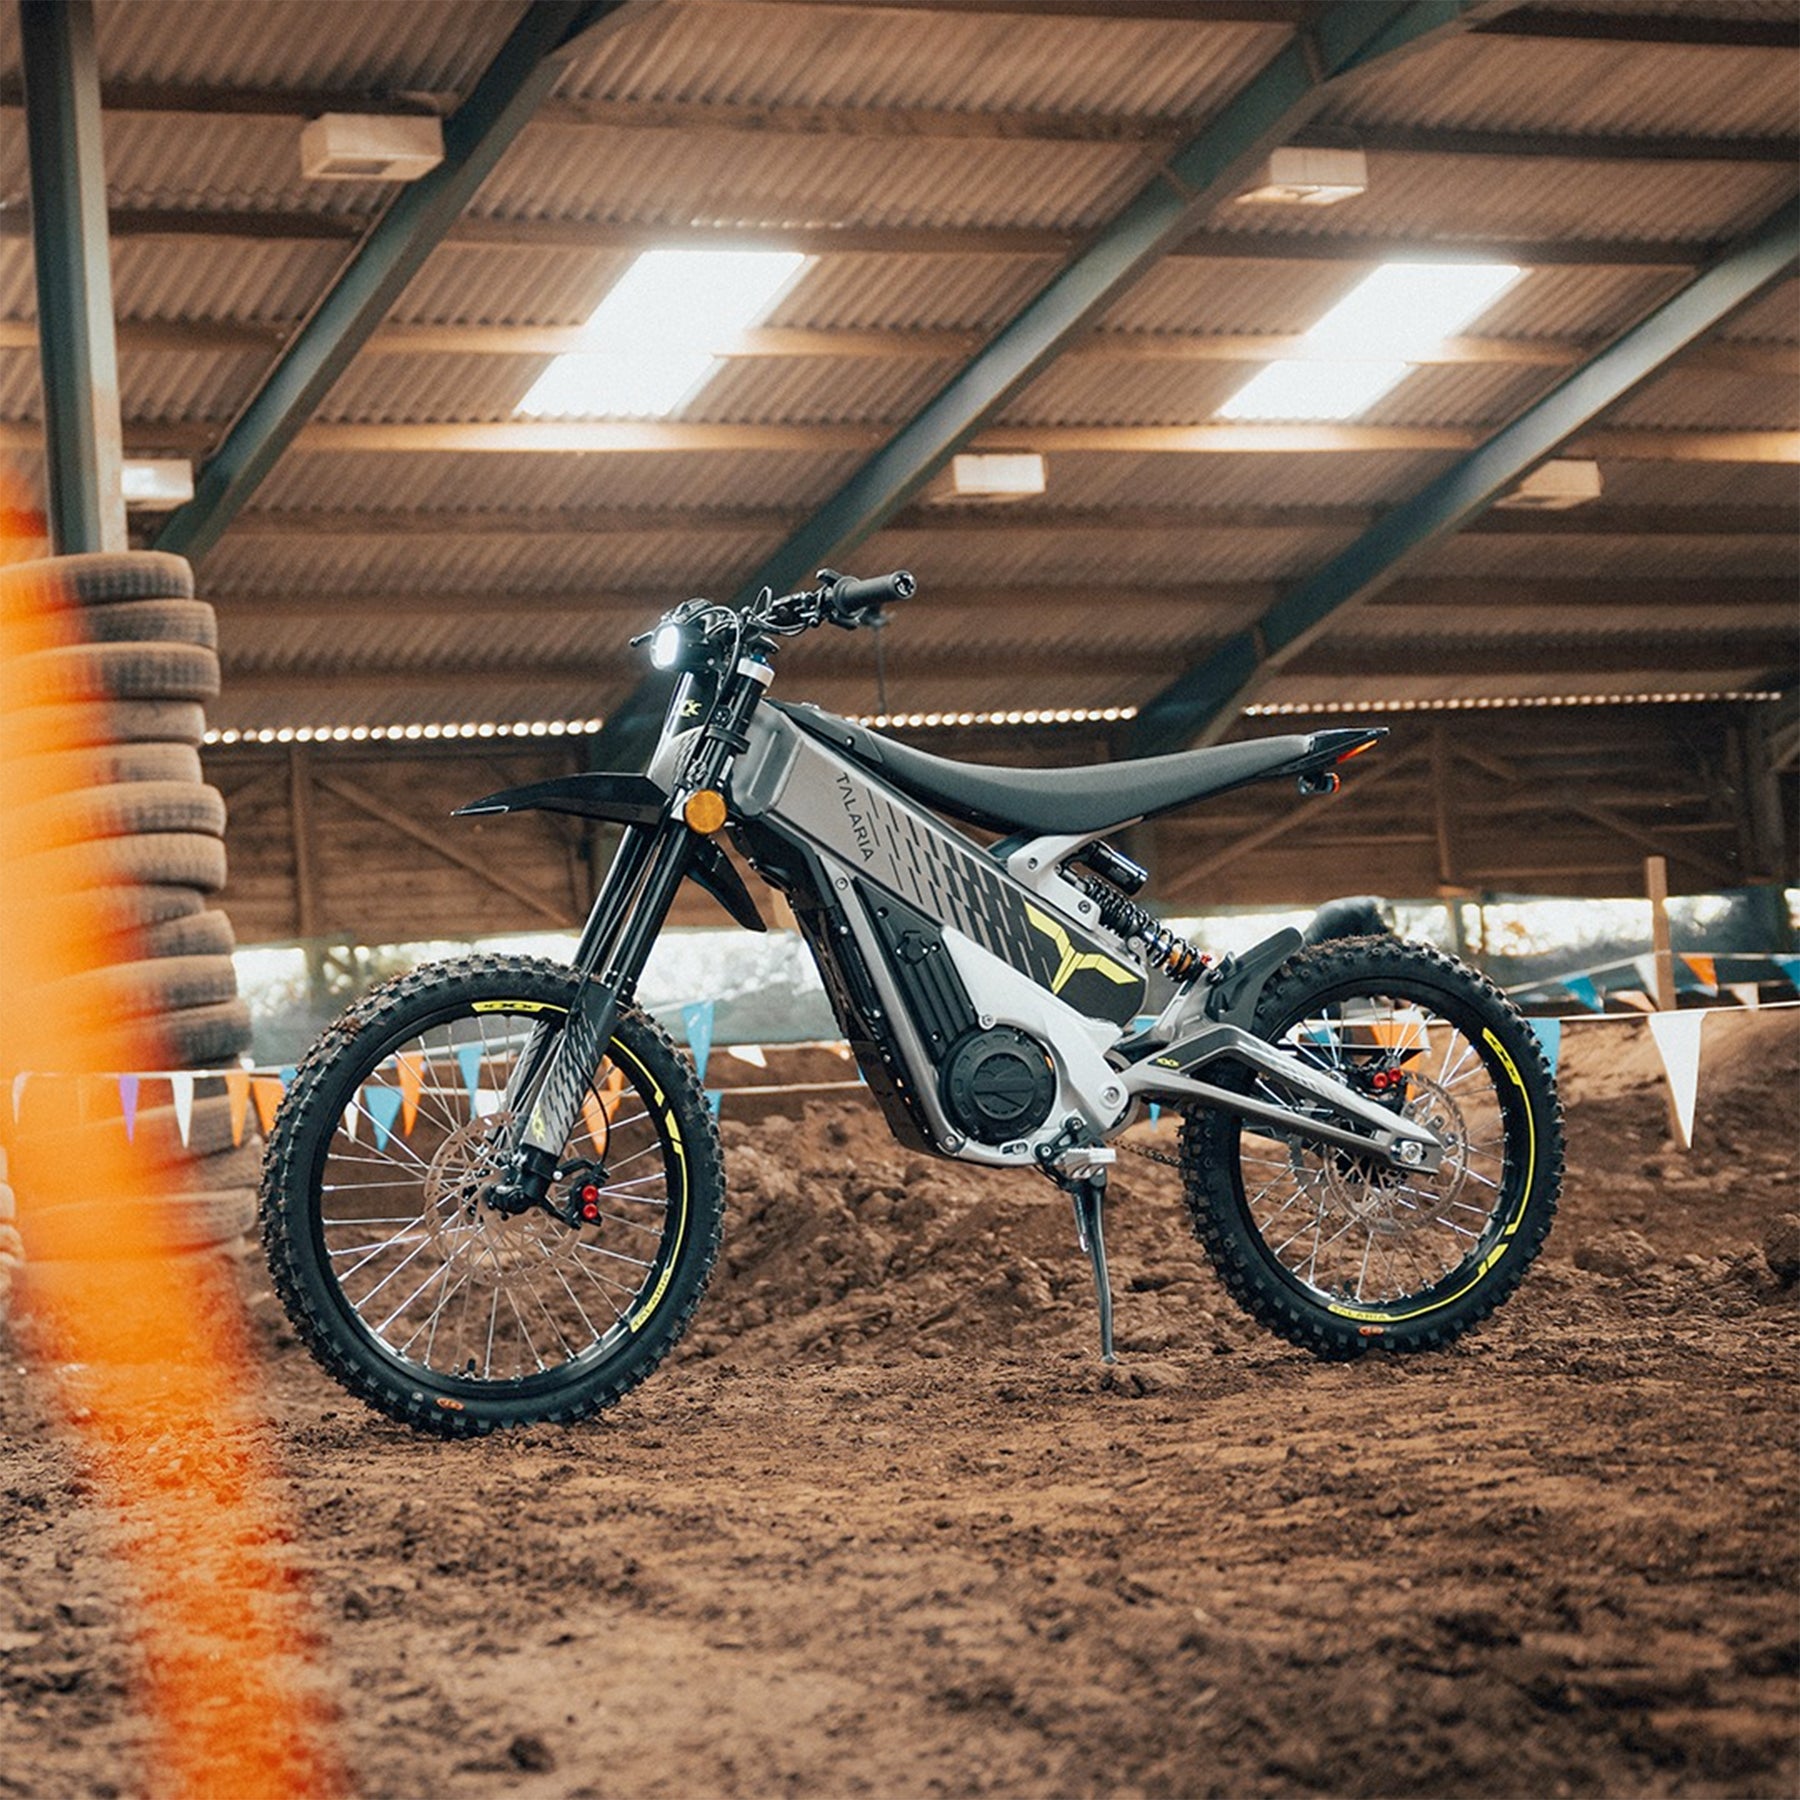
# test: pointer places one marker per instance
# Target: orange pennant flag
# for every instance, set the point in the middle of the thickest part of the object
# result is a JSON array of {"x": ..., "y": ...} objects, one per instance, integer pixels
[
  {"x": 237, "y": 1089},
  {"x": 412, "y": 1083},
  {"x": 267, "y": 1089},
  {"x": 1705, "y": 970}
]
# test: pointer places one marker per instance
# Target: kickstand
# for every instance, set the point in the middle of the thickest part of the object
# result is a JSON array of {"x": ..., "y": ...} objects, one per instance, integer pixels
[{"x": 1089, "y": 1197}]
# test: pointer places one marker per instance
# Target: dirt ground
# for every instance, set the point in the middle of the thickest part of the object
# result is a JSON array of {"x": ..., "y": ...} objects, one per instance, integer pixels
[{"x": 885, "y": 1527}]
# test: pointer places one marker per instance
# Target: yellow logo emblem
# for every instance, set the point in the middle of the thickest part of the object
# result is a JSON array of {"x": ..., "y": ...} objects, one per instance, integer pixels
[{"x": 1073, "y": 961}]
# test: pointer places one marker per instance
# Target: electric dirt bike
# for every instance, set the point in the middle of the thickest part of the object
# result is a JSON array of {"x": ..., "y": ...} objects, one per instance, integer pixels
[{"x": 494, "y": 1190}]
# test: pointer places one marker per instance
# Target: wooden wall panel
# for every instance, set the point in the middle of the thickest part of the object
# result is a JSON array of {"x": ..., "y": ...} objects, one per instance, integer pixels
[{"x": 1556, "y": 801}]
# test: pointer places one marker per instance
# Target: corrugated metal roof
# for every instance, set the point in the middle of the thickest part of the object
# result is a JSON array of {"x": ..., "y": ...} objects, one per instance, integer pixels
[
  {"x": 675, "y": 178},
  {"x": 1700, "y": 400},
  {"x": 1562, "y": 85},
  {"x": 1120, "y": 610},
  {"x": 1428, "y": 200},
  {"x": 887, "y": 57}
]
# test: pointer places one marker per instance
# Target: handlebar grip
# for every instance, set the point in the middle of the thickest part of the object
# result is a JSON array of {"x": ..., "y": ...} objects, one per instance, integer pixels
[{"x": 849, "y": 597}]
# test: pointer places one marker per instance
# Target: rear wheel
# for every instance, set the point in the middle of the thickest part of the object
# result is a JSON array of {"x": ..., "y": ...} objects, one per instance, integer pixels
[
  {"x": 1340, "y": 1253},
  {"x": 400, "y": 1275}
]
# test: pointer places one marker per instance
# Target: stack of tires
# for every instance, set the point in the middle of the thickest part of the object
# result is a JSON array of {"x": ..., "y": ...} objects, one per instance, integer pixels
[{"x": 123, "y": 806}]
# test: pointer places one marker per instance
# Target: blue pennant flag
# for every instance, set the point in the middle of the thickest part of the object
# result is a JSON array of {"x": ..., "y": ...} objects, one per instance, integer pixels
[
  {"x": 383, "y": 1106},
  {"x": 713, "y": 1097},
  {"x": 1155, "y": 1112},
  {"x": 1790, "y": 967},
  {"x": 468, "y": 1059},
  {"x": 1549, "y": 1035},
  {"x": 697, "y": 1019},
  {"x": 1582, "y": 989}
]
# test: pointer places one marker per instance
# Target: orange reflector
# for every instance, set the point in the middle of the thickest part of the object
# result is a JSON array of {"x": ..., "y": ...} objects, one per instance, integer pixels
[
  {"x": 1356, "y": 750},
  {"x": 705, "y": 811}
]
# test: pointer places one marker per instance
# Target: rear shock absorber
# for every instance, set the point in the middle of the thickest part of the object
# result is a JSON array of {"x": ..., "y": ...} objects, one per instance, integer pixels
[{"x": 1164, "y": 948}]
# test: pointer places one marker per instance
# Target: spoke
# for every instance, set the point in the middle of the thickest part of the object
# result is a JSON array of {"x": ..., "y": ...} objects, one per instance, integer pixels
[
  {"x": 384, "y": 1244},
  {"x": 434, "y": 1318},
  {"x": 435, "y": 1275},
  {"x": 389, "y": 1276},
  {"x": 637, "y": 1262}
]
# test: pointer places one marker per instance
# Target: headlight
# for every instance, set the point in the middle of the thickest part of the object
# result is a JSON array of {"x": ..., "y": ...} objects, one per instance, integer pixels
[{"x": 665, "y": 646}]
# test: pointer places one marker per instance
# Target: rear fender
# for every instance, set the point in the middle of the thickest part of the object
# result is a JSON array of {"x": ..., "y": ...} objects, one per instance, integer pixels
[{"x": 625, "y": 800}]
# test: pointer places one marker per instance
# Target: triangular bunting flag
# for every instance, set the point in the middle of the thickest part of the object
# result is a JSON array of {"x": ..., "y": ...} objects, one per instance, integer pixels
[
  {"x": 1581, "y": 989},
  {"x": 18, "y": 1093},
  {"x": 1703, "y": 969},
  {"x": 1790, "y": 967},
  {"x": 468, "y": 1060},
  {"x": 412, "y": 1083},
  {"x": 352, "y": 1113},
  {"x": 383, "y": 1104},
  {"x": 1677, "y": 1037},
  {"x": 697, "y": 1020},
  {"x": 237, "y": 1090},
  {"x": 1549, "y": 1035},
  {"x": 713, "y": 1097},
  {"x": 1155, "y": 1112},
  {"x": 267, "y": 1092},
  {"x": 128, "y": 1099},
  {"x": 1636, "y": 1001},
  {"x": 181, "y": 1093},
  {"x": 753, "y": 1054},
  {"x": 1745, "y": 993}
]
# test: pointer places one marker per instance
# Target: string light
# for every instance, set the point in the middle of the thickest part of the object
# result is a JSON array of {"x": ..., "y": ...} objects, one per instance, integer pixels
[{"x": 948, "y": 721}]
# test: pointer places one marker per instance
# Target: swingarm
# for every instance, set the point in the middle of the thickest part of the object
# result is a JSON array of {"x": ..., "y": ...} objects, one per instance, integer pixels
[{"x": 1400, "y": 1142}]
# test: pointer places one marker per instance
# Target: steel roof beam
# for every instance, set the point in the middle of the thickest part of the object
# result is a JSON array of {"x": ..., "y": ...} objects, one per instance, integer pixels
[
  {"x": 498, "y": 107},
  {"x": 1202, "y": 703},
  {"x": 1288, "y": 89}
]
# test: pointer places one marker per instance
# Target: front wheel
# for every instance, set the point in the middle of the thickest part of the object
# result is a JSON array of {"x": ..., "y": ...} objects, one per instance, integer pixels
[
  {"x": 1340, "y": 1253},
  {"x": 401, "y": 1276}
]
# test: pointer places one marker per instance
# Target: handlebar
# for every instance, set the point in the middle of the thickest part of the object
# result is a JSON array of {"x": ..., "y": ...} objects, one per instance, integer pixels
[
  {"x": 847, "y": 598},
  {"x": 840, "y": 600}
]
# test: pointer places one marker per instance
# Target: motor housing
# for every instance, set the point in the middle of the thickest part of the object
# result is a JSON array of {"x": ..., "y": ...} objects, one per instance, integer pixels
[{"x": 998, "y": 1085}]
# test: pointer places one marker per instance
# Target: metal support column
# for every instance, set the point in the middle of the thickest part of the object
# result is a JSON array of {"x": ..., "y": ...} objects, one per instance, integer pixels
[{"x": 82, "y": 438}]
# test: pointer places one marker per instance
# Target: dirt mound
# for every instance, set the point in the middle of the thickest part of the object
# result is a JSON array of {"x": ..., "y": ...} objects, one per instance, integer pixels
[{"x": 840, "y": 1244}]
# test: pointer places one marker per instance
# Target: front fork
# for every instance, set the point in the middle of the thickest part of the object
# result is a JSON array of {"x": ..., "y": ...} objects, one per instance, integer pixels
[{"x": 554, "y": 1074}]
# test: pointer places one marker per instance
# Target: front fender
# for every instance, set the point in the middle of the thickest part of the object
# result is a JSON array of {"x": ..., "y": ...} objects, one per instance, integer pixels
[{"x": 625, "y": 800}]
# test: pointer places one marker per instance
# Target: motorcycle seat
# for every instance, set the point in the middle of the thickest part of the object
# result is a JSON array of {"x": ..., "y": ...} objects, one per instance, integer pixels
[{"x": 1099, "y": 797}]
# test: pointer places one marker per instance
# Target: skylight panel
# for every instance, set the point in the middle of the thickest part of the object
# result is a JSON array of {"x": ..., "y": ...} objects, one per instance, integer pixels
[
  {"x": 655, "y": 340},
  {"x": 1394, "y": 319},
  {"x": 1312, "y": 390}
]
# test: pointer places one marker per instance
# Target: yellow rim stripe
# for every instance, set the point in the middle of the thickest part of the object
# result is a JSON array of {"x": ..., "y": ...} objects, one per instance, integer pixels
[{"x": 1501, "y": 1248}]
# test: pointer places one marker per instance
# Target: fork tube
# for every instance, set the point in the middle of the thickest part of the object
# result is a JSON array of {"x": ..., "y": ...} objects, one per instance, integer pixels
[
  {"x": 605, "y": 918},
  {"x": 607, "y": 913},
  {"x": 589, "y": 1027}
]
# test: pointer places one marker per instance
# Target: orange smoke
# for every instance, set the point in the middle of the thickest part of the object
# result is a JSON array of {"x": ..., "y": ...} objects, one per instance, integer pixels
[{"x": 155, "y": 1371}]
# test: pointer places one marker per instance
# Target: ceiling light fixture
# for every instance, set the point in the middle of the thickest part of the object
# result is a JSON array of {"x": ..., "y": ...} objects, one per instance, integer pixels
[
  {"x": 656, "y": 338},
  {"x": 1296, "y": 176},
  {"x": 371, "y": 147},
  {"x": 1367, "y": 342},
  {"x": 156, "y": 482}
]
